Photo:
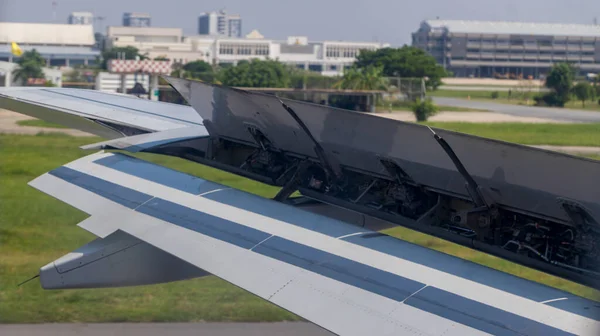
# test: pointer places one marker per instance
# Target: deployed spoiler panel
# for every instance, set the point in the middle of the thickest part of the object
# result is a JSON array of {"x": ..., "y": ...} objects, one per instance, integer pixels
[
  {"x": 519, "y": 177},
  {"x": 531, "y": 206}
]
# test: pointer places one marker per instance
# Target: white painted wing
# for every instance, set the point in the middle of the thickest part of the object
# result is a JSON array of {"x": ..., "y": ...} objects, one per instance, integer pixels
[
  {"x": 343, "y": 278},
  {"x": 105, "y": 114}
]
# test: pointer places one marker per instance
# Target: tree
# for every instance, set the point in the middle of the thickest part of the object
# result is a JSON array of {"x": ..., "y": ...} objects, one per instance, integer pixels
[
  {"x": 583, "y": 91},
  {"x": 199, "y": 70},
  {"x": 128, "y": 52},
  {"x": 30, "y": 66},
  {"x": 198, "y": 67},
  {"x": 404, "y": 62},
  {"x": 560, "y": 81},
  {"x": 256, "y": 73},
  {"x": 367, "y": 78}
]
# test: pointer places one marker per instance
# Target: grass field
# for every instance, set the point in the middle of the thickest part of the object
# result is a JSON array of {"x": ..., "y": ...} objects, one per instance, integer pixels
[
  {"x": 530, "y": 134},
  {"x": 503, "y": 98},
  {"x": 39, "y": 123},
  {"x": 443, "y": 108},
  {"x": 36, "y": 229}
]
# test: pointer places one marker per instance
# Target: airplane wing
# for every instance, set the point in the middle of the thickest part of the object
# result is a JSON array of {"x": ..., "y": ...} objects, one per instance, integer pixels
[
  {"x": 344, "y": 278},
  {"x": 531, "y": 206},
  {"x": 108, "y": 115}
]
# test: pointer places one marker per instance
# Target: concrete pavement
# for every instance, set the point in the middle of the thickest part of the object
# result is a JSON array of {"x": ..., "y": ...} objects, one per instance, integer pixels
[{"x": 559, "y": 114}]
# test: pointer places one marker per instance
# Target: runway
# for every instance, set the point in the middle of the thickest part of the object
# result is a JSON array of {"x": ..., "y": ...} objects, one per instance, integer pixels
[
  {"x": 559, "y": 114},
  {"x": 160, "y": 329}
]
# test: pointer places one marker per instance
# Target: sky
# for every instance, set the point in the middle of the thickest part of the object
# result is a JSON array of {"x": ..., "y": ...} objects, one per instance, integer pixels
[{"x": 390, "y": 21}]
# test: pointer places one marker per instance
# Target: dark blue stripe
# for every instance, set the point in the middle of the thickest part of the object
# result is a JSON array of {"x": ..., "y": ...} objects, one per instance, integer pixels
[
  {"x": 477, "y": 315},
  {"x": 158, "y": 174},
  {"x": 114, "y": 192},
  {"x": 433, "y": 300},
  {"x": 284, "y": 212},
  {"x": 481, "y": 274},
  {"x": 120, "y": 106},
  {"x": 235, "y": 198},
  {"x": 203, "y": 223},
  {"x": 338, "y": 268}
]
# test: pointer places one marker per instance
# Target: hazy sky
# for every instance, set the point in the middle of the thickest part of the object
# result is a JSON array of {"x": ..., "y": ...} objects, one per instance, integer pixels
[{"x": 389, "y": 21}]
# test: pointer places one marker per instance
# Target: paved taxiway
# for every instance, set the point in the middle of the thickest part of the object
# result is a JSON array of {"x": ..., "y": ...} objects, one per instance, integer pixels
[{"x": 559, "y": 114}]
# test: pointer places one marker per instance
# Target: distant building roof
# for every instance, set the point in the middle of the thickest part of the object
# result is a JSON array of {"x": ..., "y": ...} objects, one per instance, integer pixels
[
  {"x": 521, "y": 28},
  {"x": 255, "y": 35},
  {"x": 41, "y": 33}
]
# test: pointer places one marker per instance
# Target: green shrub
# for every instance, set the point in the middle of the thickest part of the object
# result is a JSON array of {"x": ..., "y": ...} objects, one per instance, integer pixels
[
  {"x": 423, "y": 109},
  {"x": 495, "y": 94},
  {"x": 550, "y": 99}
]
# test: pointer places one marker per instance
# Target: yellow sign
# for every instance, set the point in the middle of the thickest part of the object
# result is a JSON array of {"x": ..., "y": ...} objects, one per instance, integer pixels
[{"x": 16, "y": 50}]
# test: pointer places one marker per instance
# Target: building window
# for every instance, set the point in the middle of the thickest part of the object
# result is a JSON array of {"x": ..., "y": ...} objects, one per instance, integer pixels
[
  {"x": 544, "y": 43},
  {"x": 344, "y": 51},
  {"x": 225, "y": 49},
  {"x": 261, "y": 49},
  {"x": 517, "y": 42},
  {"x": 244, "y": 50}
]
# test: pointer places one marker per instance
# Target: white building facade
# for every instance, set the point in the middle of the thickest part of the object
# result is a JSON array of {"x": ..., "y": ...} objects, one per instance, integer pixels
[
  {"x": 325, "y": 57},
  {"x": 61, "y": 45}
]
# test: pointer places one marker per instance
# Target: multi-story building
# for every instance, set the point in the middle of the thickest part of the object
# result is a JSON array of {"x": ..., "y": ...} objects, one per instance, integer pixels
[
  {"x": 508, "y": 49},
  {"x": 60, "y": 44},
  {"x": 81, "y": 18},
  {"x": 136, "y": 20},
  {"x": 220, "y": 23},
  {"x": 156, "y": 42},
  {"x": 326, "y": 57}
]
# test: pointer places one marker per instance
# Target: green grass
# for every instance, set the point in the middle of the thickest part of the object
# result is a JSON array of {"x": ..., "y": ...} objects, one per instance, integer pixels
[
  {"x": 36, "y": 229},
  {"x": 530, "y": 134},
  {"x": 39, "y": 123},
  {"x": 466, "y": 93},
  {"x": 443, "y": 108},
  {"x": 503, "y": 98}
]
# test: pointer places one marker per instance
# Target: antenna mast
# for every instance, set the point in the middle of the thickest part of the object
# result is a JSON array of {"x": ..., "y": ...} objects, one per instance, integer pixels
[{"x": 54, "y": 5}]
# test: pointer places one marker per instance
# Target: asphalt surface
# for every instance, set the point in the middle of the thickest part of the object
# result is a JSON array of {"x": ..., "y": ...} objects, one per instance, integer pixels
[
  {"x": 570, "y": 115},
  {"x": 160, "y": 329}
]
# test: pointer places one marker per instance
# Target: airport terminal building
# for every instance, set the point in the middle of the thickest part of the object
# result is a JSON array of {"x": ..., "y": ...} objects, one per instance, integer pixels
[{"x": 508, "y": 49}]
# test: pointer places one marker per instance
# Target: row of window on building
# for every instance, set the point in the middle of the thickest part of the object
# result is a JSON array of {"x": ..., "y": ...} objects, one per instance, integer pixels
[
  {"x": 526, "y": 60},
  {"x": 341, "y": 51},
  {"x": 535, "y": 53},
  {"x": 503, "y": 43},
  {"x": 263, "y": 49},
  {"x": 539, "y": 42},
  {"x": 244, "y": 49}
]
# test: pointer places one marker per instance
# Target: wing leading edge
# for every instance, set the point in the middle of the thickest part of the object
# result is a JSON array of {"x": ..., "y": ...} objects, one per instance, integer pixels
[{"x": 347, "y": 279}]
